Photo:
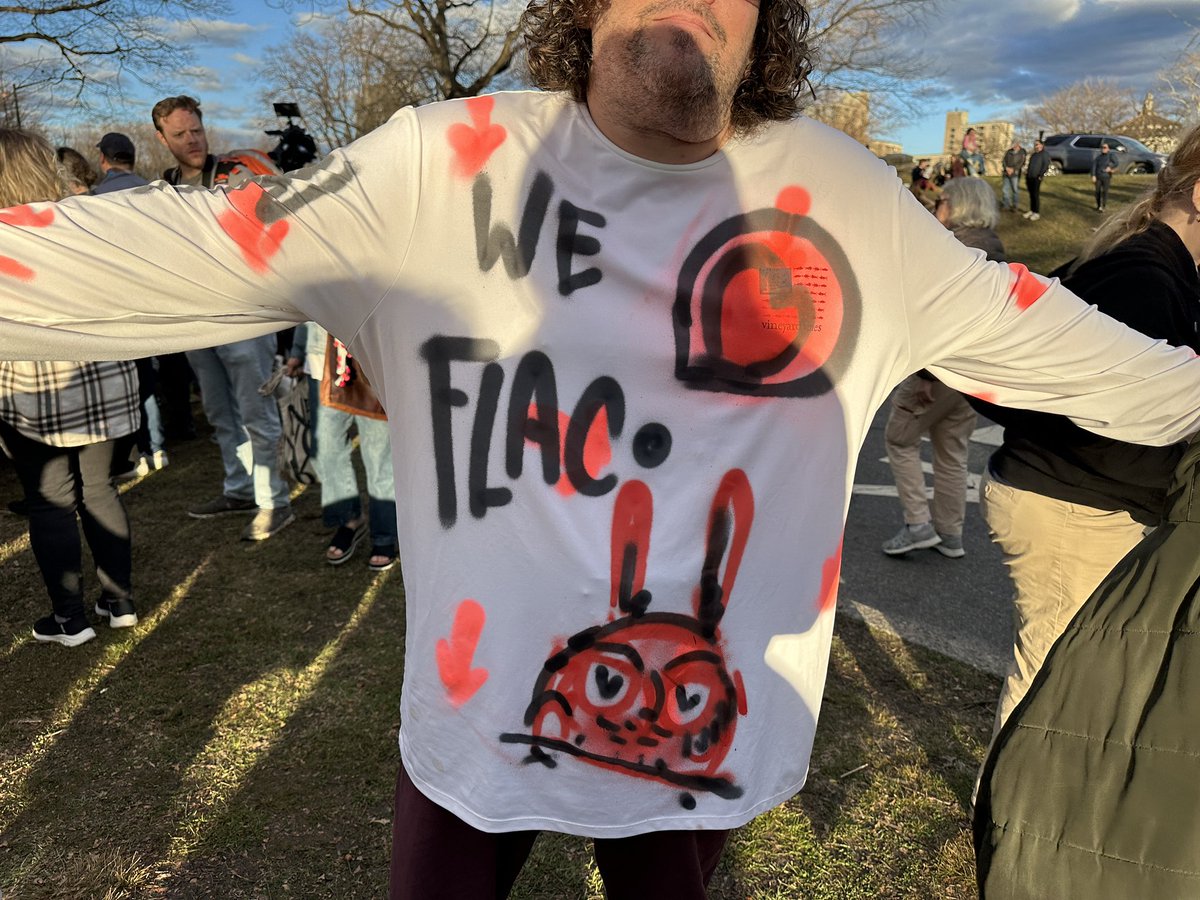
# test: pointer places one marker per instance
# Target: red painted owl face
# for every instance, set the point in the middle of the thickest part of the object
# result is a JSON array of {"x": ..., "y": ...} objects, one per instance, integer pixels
[{"x": 648, "y": 694}]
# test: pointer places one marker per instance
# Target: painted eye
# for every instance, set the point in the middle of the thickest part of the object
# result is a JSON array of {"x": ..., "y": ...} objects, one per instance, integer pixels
[
  {"x": 605, "y": 686},
  {"x": 687, "y": 702}
]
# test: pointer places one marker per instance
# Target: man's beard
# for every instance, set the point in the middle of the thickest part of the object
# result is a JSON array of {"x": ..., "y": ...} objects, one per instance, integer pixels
[{"x": 680, "y": 92}]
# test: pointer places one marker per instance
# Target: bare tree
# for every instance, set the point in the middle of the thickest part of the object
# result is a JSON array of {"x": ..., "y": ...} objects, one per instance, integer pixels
[
  {"x": 858, "y": 50},
  {"x": 1094, "y": 104},
  {"x": 86, "y": 42},
  {"x": 465, "y": 45},
  {"x": 1180, "y": 83},
  {"x": 348, "y": 75}
]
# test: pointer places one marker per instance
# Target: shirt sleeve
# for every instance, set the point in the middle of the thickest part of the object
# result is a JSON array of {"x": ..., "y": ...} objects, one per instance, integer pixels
[
  {"x": 1002, "y": 334},
  {"x": 160, "y": 269}
]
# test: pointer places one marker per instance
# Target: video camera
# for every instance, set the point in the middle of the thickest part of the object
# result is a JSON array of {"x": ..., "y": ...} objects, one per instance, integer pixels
[{"x": 296, "y": 147}]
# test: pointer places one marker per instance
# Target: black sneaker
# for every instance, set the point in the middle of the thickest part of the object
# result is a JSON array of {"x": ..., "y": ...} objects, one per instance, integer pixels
[
  {"x": 267, "y": 522},
  {"x": 71, "y": 633},
  {"x": 119, "y": 612},
  {"x": 222, "y": 505}
]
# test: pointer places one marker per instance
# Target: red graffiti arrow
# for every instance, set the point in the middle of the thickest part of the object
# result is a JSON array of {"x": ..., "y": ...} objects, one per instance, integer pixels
[
  {"x": 14, "y": 269},
  {"x": 26, "y": 217},
  {"x": 474, "y": 144},
  {"x": 455, "y": 655},
  {"x": 1027, "y": 288},
  {"x": 830, "y": 574},
  {"x": 258, "y": 241}
]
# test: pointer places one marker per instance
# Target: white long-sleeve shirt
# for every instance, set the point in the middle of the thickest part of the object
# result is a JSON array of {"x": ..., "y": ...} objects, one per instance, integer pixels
[{"x": 625, "y": 401}]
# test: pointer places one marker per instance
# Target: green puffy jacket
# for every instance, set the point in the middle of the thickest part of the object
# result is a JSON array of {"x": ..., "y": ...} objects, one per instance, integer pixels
[{"x": 1092, "y": 788}]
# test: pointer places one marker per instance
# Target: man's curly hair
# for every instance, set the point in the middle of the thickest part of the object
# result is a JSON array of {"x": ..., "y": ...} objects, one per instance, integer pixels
[{"x": 558, "y": 42}]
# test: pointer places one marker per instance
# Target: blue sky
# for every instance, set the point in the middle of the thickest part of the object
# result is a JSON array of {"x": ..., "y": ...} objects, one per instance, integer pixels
[
  {"x": 997, "y": 56},
  {"x": 1000, "y": 55},
  {"x": 226, "y": 56}
]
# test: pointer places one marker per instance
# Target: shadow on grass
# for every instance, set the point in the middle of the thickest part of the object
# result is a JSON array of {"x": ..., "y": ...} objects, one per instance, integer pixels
[
  {"x": 884, "y": 811},
  {"x": 242, "y": 742},
  {"x": 128, "y": 745}
]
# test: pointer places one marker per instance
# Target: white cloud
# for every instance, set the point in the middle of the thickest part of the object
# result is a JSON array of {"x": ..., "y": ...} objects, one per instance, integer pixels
[
  {"x": 201, "y": 79},
  {"x": 209, "y": 32},
  {"x": 997, "y": 54}
]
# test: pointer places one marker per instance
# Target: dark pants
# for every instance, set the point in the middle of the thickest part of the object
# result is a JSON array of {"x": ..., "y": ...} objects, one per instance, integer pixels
[
  {"x": 58, "y": 483},
  {"x": 438, "y": 856},
  {"x": 140, "y": 439},
  {"x": 175, "y": 379},
  {"x": 1102, "y": 183},
  {"x": 1034, "y": 187}
]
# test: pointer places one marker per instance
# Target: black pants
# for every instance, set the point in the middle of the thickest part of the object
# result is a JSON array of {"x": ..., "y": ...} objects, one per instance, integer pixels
[
  {"x": 175, "y": 379},
  {"x": 438, "y": 856},
  {"x": 1034, "y": 187},
  {"x": 1102, "y": 183},
  {"x": 58, "y": 483}
]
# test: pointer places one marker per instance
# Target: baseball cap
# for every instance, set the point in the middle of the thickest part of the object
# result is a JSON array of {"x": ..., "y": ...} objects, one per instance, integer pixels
[{"x": 117, "y": 147}]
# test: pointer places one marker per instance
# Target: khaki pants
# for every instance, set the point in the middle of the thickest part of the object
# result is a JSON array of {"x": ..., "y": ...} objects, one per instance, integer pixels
[
  {"x": 949, "y": 421},
  {"x": 1057, "y": 554}
]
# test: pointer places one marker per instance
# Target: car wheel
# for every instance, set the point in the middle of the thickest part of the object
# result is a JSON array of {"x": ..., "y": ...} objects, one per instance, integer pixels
[
  {"x": 1055, "y": 168},
  {"x": 1139, "y": 168}
]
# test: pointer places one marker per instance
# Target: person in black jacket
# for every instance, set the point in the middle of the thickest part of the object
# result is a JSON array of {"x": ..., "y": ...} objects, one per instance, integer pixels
[
  {"x": 1035, "y": 171},
  {"x": 1103, "y": 167},
  {"x": 1063, "y": 504}
]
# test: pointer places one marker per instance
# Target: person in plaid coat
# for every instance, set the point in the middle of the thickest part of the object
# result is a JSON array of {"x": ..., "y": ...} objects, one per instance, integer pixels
[{"x": 59, "y": 422}]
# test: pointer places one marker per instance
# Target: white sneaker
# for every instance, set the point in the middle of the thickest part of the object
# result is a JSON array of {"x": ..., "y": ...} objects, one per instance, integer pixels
[
  {"x": 1034, "y": 217},
  {"x": 159, "y": 459},
  {"x": 1027, "y": 215}
]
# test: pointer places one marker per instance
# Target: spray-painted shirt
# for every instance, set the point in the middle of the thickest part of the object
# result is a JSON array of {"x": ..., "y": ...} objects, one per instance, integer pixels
[{"x": 626, "y": 399}]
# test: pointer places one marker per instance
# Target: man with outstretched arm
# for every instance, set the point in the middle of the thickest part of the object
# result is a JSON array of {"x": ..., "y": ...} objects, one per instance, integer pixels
[{"x": 630, "y": 333}]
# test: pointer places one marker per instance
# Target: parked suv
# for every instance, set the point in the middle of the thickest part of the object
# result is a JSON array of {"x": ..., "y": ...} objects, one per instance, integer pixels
[{"x": 1075, "y": 152}]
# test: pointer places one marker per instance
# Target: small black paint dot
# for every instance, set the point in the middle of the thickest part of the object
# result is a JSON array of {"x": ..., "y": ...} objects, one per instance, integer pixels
[
  {"x": 652, "y": 445},
  {"x": 687, "y": 801}
]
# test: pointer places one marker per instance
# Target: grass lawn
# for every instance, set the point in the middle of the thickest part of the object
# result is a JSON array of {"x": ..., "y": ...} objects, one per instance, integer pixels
[
  {"x": 1068, "y": 217},
  {"x": 241, "y": 742}
]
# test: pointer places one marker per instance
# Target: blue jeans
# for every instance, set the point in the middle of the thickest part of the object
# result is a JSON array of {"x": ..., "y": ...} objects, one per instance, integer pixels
[
  {"x": 154, "y": 423},
  {"x": 340, "y": 500},
  {"x": 246, "y": 423},
  {"x": 1009, "y": 191}
]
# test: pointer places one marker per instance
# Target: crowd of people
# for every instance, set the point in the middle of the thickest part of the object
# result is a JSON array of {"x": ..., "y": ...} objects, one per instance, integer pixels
[
  {"x": 75, "y": 429},
  {"x": 561, "y": 416},
  {"x": 1064, "y": 505},
  {"x": 927, "y": 179}
]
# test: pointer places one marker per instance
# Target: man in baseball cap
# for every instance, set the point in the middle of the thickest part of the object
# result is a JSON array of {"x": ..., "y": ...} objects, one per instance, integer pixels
[{"x": 117, "y": 155}]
